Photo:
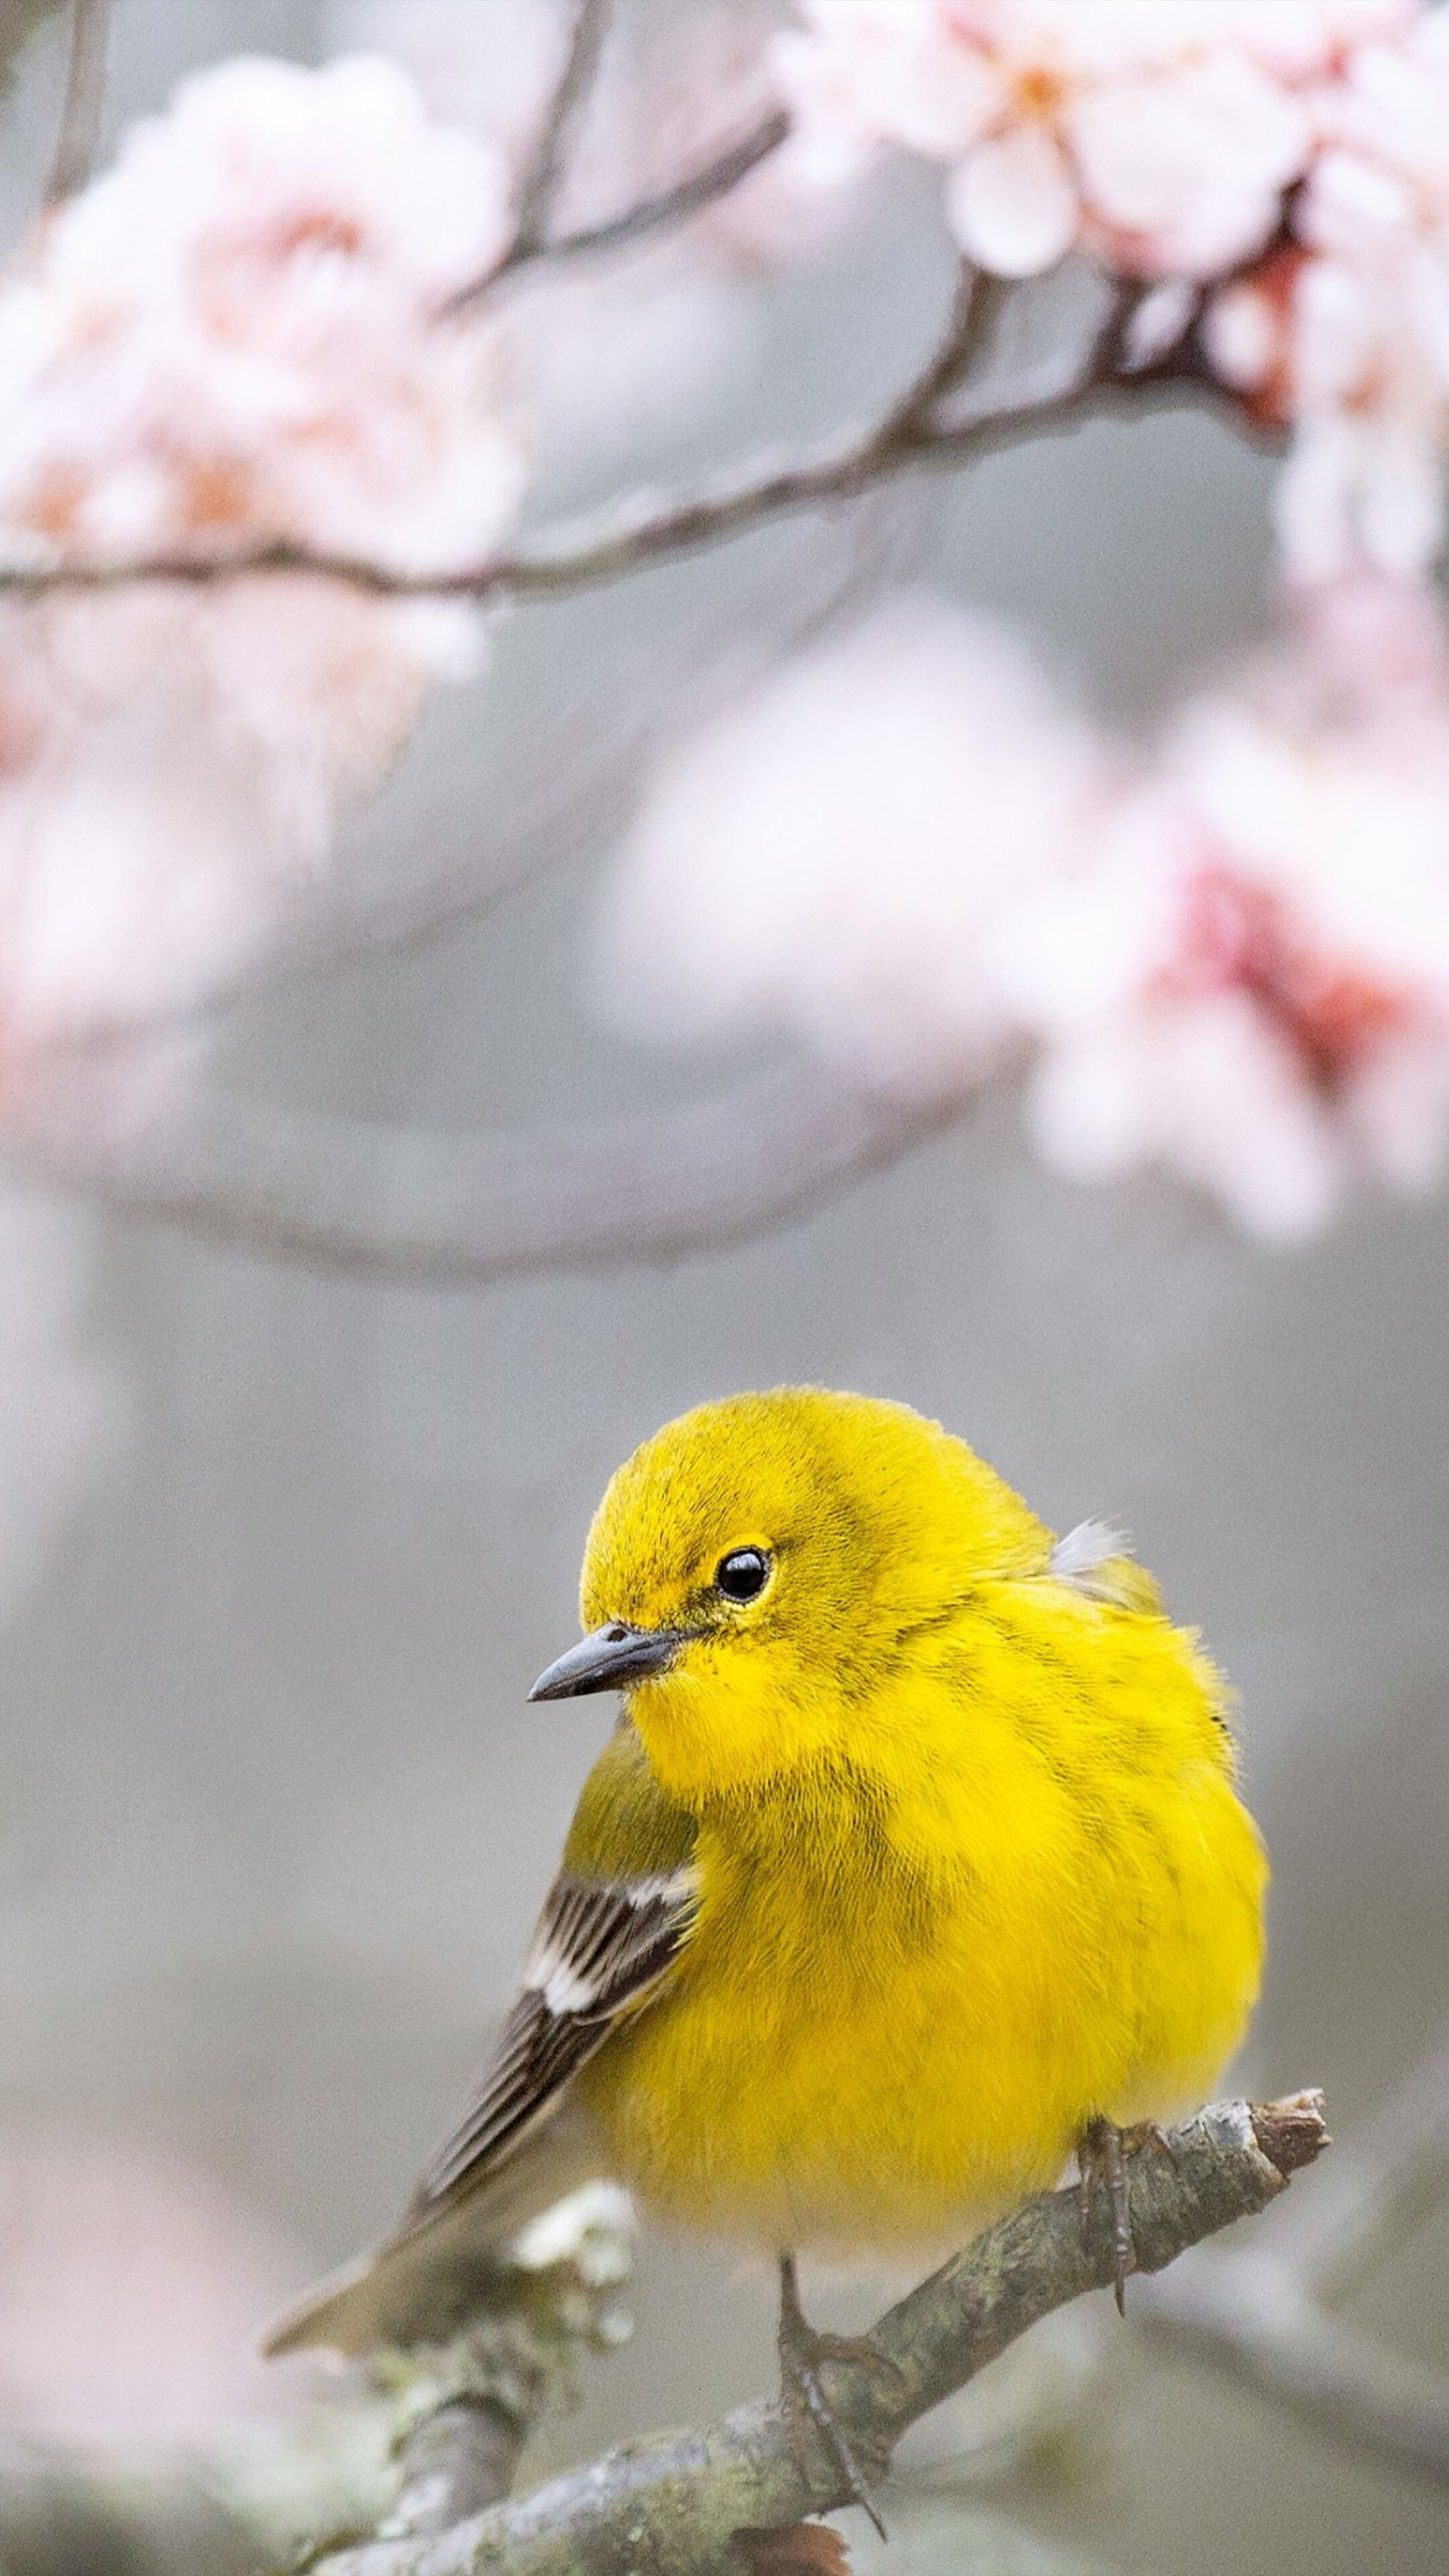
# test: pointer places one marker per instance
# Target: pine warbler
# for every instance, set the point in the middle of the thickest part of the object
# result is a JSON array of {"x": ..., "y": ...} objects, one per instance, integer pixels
[{"x": 913, "y": 1865}]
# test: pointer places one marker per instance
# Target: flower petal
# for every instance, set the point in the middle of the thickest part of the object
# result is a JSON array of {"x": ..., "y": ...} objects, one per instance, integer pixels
[{"x": 1013, "y": 204}]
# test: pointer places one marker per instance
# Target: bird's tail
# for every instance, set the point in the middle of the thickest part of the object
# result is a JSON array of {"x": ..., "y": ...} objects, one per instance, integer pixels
[{"x": 444, "y": 2264}]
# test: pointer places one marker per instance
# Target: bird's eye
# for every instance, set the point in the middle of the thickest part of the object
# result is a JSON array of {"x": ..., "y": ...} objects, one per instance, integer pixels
[{"x": 740, "y": 1575}]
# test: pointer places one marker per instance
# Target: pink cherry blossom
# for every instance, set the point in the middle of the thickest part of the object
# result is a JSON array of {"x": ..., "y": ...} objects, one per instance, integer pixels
[
  {"x": 232, "y": 336},
  {"x": 1228, "y": 957},
  {"x": 1345, "y": 340},
  {"x": 836, "y": 855},
  {"x": 173, "y": 766},
  {"x": 1247, "y": 978},
  {"x": 230, "y": 339},
  {"x": 1160, "y": 135}
]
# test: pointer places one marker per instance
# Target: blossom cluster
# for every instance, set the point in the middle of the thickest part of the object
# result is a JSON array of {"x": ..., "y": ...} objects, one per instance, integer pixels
[
  {"x": 1290, "y": 163},
  {"x": 230, "y": 340},
  {"x": 231, "y": 336},
  {"x": 1342, "y": 334},
  {"x": 1227, "y": 955}
]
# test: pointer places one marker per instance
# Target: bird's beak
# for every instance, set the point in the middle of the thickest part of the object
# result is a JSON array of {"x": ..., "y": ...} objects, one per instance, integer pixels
[{"x": 609, "y": 1658}]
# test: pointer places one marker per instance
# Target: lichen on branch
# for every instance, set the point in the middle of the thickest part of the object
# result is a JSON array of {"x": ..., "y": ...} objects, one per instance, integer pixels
[{"x": 677, "y": 2499}]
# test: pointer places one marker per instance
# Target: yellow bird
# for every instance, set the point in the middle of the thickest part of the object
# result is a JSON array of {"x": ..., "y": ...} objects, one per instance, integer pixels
[{"x": 914, "y": 1865}]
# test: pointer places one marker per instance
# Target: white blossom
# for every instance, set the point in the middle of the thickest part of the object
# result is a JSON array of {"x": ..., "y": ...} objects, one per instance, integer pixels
[
  {"x": 1246, "y": 978},
  {"x": 1160, "y": 135},
  {"x": 1345, "y": 338},
  {"x": 837, "y": 854},
  {"x": 229, "y": 340},
  {"x": 232, "y": 337},
  {"x": 173, "y": 765},
  {"x": 1227, "y": 956}
]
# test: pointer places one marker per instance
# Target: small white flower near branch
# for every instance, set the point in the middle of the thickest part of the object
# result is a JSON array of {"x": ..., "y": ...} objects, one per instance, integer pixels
[
  {"x": 1342, "y": 336},
  {"x": 1158, "y": 135}
]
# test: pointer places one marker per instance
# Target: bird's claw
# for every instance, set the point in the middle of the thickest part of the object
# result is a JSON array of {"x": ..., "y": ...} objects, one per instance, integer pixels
[
  {"x": 807, "y": 2408},
  {"x": 1102, "y": 2153}
]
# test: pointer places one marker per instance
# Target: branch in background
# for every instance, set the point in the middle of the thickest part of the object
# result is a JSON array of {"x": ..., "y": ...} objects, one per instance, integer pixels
[
  {"x": 85, "y": 99},
  {"x": 402, "y": 1204},
  {"x": 917, "y": 431},
  {"x": 546, "y": 167},
  {"x": 1253, "y": 2317},
  {"x": 679, "y": 2499},
  {"x": 1265, "y": 2318},
  {"x": 420, "y": 1206},
  {"x": 705, "y": 186}
]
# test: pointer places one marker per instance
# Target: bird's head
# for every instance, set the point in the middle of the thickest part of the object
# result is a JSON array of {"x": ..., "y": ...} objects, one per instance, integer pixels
[{"x": 756, "y": 1574}]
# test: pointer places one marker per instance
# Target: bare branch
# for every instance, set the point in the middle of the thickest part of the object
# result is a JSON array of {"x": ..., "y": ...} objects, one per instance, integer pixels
[
  {"x": 704, "y": 186},
  {"x": 400, "y": 1203},
  {"x": 85, "y": 99},
  {"x": 1251, "y": 2316},
  {"x": 677, "y": 2500},
  {"x": 645, "y": 530},
  {"x": 456, "y": 2462},
  {"x": 544, "y": 172}
]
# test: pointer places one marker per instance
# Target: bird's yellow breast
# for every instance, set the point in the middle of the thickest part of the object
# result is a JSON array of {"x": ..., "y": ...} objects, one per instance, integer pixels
[{"x": 1028, "y": 1896}]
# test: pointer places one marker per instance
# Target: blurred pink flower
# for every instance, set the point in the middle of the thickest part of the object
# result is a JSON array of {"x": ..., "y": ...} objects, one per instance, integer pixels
[
  {"x": 172, "y": 768},
  {"x": 1247, "y": 978},
  {"x": 837, "y": 854},
  {"x": 231, "y": 337},
  {"x": 132, "y": 2287},
  {"x": 614, "y": 350},
  {"x": 1159, "y": 135},
  {"x": 1346, "y": 339},
  {"x": 1230, "y": 958}
]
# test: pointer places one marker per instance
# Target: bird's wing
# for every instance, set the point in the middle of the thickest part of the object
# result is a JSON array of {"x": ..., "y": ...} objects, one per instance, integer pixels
[{"x": 602, "y": 1947}]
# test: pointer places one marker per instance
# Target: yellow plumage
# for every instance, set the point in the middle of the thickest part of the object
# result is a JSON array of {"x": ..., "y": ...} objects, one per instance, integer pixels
[
  {"x": 971, "y": 1865},
  {"x": 929, "y": 1853}
]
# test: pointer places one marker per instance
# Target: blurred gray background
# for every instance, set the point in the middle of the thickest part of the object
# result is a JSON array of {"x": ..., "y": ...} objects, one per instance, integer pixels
[{"x": 277, "y": 1816}]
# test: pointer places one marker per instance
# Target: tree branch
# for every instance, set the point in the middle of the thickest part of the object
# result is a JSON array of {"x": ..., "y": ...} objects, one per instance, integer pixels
[
  {"x": 678, "y": 2499},
  {"x": 85, "y": 99},
  {"x": 456, "y": 2462},
  {"x": 911, "y": 435},
  {"x": 704, "y": 186},
  {"x": 544, "y": 172},
  {"x": 417, "y": 1205}
]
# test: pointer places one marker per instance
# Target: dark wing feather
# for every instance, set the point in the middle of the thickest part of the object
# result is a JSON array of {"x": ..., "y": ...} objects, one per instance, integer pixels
[{"x": 601, "y": 1948}]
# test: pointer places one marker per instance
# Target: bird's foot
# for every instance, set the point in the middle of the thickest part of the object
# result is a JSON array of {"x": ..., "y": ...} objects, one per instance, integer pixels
[
  {"x": 808, "y": 2410},
  {"x": 1102, "y": 2153}
]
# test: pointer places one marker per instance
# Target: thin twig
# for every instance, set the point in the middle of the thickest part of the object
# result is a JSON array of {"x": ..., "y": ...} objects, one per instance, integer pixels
[
  {"x": 626, "y": 539},
  {"x": 1253, "y": 2317},
  {"x": 85, "y": 99},
  {"x": 676, "y": 2501},
  {"x": 669, "y": 206},
  {"x": 544, "y": 173}
]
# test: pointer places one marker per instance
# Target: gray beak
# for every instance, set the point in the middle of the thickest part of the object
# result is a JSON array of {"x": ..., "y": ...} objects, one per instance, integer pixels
[{"x": 609, "y": 1659}]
